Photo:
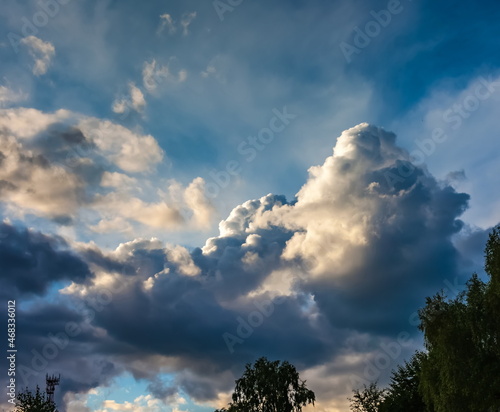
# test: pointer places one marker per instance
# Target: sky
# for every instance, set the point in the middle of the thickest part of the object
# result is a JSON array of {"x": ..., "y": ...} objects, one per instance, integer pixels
[{"x": 186, "y": 186}]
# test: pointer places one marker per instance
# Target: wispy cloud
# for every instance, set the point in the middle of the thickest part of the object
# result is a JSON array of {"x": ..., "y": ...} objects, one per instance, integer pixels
[
  {"x": 167, "y": 22},
  {"x": 9, "y": 96},
  {"x": 134, "y": 101},
  {"x": 186, "y": 21},
  {"x": 41, "y": 51},
  {"x": 155, "y": 74}
]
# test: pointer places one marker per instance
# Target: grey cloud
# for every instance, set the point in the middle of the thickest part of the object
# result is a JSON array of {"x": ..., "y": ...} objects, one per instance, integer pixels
[{"x": 30, "y": 261}]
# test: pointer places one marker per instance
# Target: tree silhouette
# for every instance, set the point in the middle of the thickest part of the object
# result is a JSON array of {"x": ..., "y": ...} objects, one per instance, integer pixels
[
  {"x": 270, "y": 387},
  {"x": 403, "y": 394},
  {"x": 34, "y": 402},
  {"x": 367, "y": 399},
  {"x": 462, "y": 336}
]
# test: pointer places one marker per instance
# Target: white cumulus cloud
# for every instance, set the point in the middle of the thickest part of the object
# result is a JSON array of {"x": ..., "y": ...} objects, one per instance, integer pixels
[{"x": 58, "y": 165}]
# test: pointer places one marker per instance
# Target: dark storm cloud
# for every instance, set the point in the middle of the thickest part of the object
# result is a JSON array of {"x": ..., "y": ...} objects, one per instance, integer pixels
[
  {"x": 58, "y": 338},
  {"x": 30, "y": 261}
]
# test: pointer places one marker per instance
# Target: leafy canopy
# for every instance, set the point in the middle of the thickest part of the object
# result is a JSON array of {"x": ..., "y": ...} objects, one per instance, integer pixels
[
  {"x": 462, "y": 337},
  {"x": 368, "y": 399},
  {"x": 34, "y": 402},
  {"x": 270, "y": 387}
]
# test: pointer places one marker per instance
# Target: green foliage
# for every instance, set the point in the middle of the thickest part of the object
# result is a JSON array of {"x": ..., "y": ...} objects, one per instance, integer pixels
[
  {"x": 492, "y": 267},
  {"x": 403, "y": 394},
  {"x": 462, "y": 368},
  {"x": 369, "y": 399},
  {"x": 270, "y": 387},
  {"x": 37, "y": 402},
  {"x": 492, "y": 255}
]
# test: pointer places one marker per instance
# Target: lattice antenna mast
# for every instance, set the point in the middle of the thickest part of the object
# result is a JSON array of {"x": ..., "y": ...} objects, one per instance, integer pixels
[{"x": 51, "y": 381}]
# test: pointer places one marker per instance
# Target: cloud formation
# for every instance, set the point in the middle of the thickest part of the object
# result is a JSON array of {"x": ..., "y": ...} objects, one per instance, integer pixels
[{"x": 315, "y": 281}]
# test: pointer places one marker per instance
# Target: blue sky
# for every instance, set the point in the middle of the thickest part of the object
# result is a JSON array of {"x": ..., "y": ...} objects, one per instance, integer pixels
[{"x": 178, "y": 148}]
